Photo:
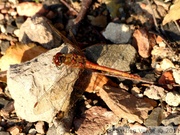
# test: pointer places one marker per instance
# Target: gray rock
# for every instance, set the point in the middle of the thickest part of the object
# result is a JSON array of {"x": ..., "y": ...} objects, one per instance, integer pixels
[
  {"x": 39, "y": 88},
  {"x": 155, "y": 117},
  {"x": 117, "y": 33},
  {"x": 37, "y": 30},
  {"x": 119, "y": 56}
]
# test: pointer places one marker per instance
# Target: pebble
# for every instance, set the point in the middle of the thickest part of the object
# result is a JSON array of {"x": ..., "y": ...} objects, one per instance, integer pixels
[
  {"x": 117, "y": 56},
  {"x": 15, "y": 130},
  {"x": 172, "y": 119},
  {"x": 32, "y": 131},
  {"x": 4, "y": 46},
  {"x": 173, "y": 98},
  {"x": 40, "y": 127},
  {"x": 38, "y": 30},
  {"x": 4, "y": 133},
  {"x": 176, "y": 75},
  {"x": 1, "y": 16},
  {"x": 165, "y": 64},
  {"x": 19, "y": 21},
  {"x": 155, "y": 92},
  {"x": 117, "y": 33},
  {"x": 155, "y": 118},
  {"x": 97, "y": 117},
  {"x": 3, "y": 29}
]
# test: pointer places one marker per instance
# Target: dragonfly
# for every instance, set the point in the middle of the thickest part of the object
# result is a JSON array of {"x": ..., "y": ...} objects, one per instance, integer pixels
[{"x": 74, "y": 59}]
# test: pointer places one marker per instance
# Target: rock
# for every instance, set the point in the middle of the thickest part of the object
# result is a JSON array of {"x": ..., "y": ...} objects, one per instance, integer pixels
[
  {"x": 4, "y": 133},
  {"x": 15, "y": 130},
  {"x": 10, "y": 29},
  {"x": 30, "y": 9},
  {"x": 37, "y": 88},
  {"x": 173, "y": 98},
  {"x": 155, "y": 117},
  {"x": 4, "y": 46},
  {"x": 37, "y": 29},
  {"x": 120, "y": 56},
  {"x": 155, "y": 92},
  {"x": 172, "y": 119},
  {"x": 95, "y": 121},
  {"x": 62, "y": 126},
  {"x": 40, "y": 127},
  {"x": 19, "y": 21},
  {"x": 117, "y": 33},
  {"x": 176, "y": 75},
  {"x": 125, "y": 105}
]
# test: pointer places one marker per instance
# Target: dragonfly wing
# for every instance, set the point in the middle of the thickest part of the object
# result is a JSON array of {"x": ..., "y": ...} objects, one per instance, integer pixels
[{"x": 58, "y": 96}]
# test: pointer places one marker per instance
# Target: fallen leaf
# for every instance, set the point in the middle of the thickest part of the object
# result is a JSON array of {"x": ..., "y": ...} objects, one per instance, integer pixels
[
  {"x": 174, "y": 13},
  {"x": 166, "y": 78},
  {"x": 143, "y": 41},
  {"x": 19, "y": 53}
]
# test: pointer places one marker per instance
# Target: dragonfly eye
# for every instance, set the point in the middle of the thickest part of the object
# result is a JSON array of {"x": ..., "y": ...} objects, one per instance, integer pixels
[{"x": 58, "y": 59}]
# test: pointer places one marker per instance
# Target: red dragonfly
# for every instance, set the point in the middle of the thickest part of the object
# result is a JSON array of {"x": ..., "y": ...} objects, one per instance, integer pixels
[{"x": 72, "y": 60}]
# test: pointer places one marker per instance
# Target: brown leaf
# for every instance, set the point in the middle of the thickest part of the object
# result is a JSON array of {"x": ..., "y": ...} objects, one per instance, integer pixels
[
  {"x": 144, "y": 42},
  {"x": 166, "y": 78},
  {"x": 20, "y": 53},
  {"x": 174, "y": 13}
]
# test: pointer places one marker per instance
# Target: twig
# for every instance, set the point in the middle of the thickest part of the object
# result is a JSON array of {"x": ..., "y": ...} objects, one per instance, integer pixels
[
  {"x": 69, "y": 7},
  {"x": 153, "y": 15},
  {"x": 85, "y": 4}
]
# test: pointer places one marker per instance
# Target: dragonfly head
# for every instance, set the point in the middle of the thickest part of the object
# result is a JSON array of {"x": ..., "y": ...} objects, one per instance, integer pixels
[{"x": 58, "y": 59}]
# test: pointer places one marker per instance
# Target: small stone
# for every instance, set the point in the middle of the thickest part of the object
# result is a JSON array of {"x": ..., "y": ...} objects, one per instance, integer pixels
[
  {"x": 30, "y": 8},
  {"x": 15, "y": 130},
  {"x": 172, "y": 119},
  {"x": 19, "y": 21},
  {"x": 38, "y": 30},
  {"x": 117, "y": 56},
  {"x": 4, "y": 133},
  {"x": 135, "y": 91},
  {"x": 165, "y": 64},
  {"x": 3, "y": 29},
  {"x": 117, "y": 33},
  {"x": 40, "y": 127},
  {"x": 95, "y": 121},
  {"x": 10, "y": 28},
  {"x": 176, "y": 75},
  {"x": 173, "y": 98},
  {"x": 32, "y": 131},
  {"x": 1, "y": 16},
  {"x": 155, "y": 117},
  {"x": 4, "y": 46},
  {"x": 155, "y": 92}
]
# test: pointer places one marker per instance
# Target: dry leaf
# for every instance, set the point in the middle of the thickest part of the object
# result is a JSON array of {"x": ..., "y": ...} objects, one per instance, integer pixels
[
  {"x": 20, "y": 53},
  {"x": 166, "y": 78},
  {"x": 174, "y": 13}
]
